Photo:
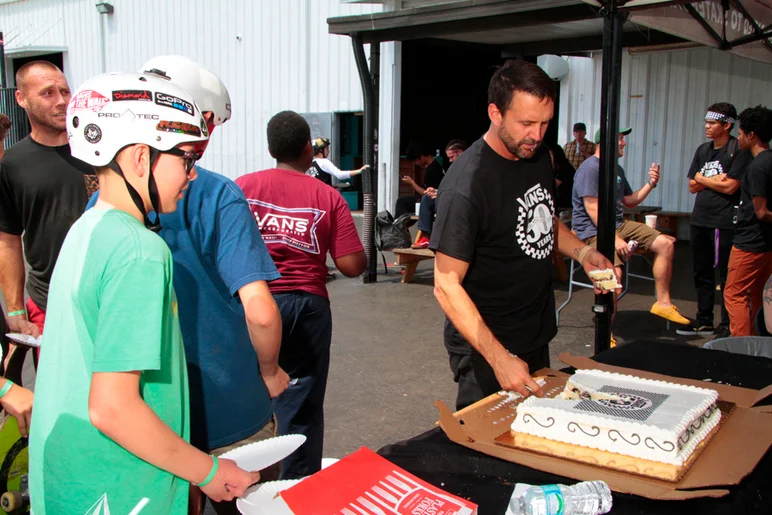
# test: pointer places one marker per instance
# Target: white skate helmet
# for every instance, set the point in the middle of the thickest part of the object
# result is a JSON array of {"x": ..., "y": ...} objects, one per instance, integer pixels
[
  {"x": 112, "y": 111},
  {"x": 202, "y": 84}
]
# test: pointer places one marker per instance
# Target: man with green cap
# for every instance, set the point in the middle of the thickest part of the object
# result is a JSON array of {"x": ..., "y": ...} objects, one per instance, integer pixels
[{"x": 585, "y": 222}]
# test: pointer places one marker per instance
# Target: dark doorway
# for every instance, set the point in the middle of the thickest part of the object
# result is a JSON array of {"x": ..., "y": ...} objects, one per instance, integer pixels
[{"x": 445, "y": 92}]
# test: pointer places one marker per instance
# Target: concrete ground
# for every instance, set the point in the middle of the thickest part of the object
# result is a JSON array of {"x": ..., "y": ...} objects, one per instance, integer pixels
[{"x": 389, "y": 364}]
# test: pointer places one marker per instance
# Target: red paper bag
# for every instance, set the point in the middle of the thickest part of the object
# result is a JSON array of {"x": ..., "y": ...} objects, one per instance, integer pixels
[{"x": 364, "y": 483}]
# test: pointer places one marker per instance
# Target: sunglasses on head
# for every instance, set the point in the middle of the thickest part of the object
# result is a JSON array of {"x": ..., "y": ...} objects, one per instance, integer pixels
[{"x": 190, "y": 158}]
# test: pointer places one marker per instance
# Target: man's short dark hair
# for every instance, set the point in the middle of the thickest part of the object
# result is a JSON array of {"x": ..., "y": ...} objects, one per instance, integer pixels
[
  {"x": 21, "y": 73},
  {"x": 288, "y": 135},
  {"x": 757, "y": 120},
  {"x": 519, "y": 76},
  {"x": 5, "y": 124},
  {"x": 724, "y": 108},
  {"x": 416, "y": 149},
  {"x": 456, "y": 144},
  {"x": 580, "y": 127}
]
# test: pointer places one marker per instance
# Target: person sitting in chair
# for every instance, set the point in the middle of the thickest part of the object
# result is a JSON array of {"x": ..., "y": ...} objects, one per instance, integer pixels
[
  {"x": 428, "y": 209},
  {"x": 585, "y": 223}
]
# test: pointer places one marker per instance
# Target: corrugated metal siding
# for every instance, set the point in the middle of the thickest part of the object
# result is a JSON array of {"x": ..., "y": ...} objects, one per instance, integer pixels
[
  {"x": 272, "y": 55},
  {"x": 664, "y": 99}
]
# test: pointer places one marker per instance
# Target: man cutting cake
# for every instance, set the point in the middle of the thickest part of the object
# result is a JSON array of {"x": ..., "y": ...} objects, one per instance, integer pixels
[{"x": 494, "y": 238}]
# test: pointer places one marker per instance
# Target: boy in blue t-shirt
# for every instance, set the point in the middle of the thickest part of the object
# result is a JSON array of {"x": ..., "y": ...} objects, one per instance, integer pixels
[{"x": 111, "y": 408}]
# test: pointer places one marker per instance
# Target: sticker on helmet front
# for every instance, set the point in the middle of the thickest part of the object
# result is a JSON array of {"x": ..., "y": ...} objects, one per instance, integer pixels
[
  {"x": 163, "y": 99},
  {"x": 88, "y": 99},
  {"x": 92, "y": 133},
  {"x": 132, "y": 94},
  {"x": 179, "y": 128}
]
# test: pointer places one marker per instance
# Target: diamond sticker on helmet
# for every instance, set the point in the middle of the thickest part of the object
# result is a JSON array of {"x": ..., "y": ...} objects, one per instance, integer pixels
[
  {"x": 178, "y": 127},
  {"x": 92, "y": 133}
]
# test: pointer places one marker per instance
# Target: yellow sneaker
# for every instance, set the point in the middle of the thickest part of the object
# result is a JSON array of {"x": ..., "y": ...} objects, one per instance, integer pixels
[
  {"x": 612, "y": 342},
  {"x": 670, "y": 313}
]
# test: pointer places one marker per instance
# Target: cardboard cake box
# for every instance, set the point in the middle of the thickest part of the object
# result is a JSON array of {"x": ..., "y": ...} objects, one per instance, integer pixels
[{"x": 744, "y": 437}]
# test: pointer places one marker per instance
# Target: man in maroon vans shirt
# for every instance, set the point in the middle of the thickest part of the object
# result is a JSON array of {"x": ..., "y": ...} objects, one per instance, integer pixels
[{"x": 301, "y": 220}]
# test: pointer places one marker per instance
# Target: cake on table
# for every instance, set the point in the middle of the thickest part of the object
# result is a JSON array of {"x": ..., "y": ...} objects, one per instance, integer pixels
[{"x": 626, "y": 415}]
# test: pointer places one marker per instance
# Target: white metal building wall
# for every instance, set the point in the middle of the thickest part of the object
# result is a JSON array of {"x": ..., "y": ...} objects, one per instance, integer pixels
[
  {"x": 664, "y": 99},
  {"x": 272, "y": 55}
]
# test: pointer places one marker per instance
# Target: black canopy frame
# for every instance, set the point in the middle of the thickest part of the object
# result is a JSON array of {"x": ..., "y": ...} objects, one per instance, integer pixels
[{"x": 459, "y": 20}]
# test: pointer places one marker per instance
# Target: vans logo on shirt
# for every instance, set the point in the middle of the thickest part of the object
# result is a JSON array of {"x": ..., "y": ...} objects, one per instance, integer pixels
[
  {"x": 535, "y": 222},
  {"x": 102, "y": 508},
  {"x": 295, "y": 227},
  {"x": 711, "y": 169}
]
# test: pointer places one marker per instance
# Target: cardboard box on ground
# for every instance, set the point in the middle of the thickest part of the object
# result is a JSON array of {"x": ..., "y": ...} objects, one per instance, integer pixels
[{"x": 734, "y": 451}]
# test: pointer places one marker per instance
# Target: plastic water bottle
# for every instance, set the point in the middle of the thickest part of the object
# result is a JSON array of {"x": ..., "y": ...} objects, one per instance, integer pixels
[{"x": 586, "y": 498}]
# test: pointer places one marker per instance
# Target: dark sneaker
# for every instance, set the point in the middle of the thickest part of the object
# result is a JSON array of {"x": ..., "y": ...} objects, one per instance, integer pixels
[
  {"x": 722, "y": 331},
  {"x": 695, "y": 329}
]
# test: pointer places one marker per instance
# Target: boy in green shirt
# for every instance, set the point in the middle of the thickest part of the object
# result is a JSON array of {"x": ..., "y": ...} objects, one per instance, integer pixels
[{"x": 111, "y": 406}]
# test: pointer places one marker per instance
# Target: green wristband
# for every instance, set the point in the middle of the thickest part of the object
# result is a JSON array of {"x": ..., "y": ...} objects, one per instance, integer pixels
[
  {"x": 208, "y": 479},
  {"x": 5, "y": 388},
  {"x": 17, "y": 313}
]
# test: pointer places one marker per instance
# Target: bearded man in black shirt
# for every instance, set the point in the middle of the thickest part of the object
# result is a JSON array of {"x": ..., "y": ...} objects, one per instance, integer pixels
[
  {"x": 43, "y": 190},
  {"x": 494, "y": 238}
]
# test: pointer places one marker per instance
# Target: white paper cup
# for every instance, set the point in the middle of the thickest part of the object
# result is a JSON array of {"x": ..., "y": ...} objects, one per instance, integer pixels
[
  {"x": 651, "y": 221},
  {"x": 417, "y": 208}
]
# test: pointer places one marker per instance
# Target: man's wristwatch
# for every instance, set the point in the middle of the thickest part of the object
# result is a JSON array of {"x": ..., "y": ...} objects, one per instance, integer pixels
[{"x": 652, "y": 185}]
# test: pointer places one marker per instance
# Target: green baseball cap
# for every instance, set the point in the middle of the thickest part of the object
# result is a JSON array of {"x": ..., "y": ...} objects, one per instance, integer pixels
[{"x": 624, "y": 131}]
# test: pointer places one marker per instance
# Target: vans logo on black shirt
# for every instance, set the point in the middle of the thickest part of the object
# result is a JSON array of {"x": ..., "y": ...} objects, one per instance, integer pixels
[
  {"x": 711, "y": 169},
  {"x": 535, "y": 222}
]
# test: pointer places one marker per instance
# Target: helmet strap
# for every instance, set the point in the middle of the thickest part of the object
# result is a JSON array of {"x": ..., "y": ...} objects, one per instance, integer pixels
[{"x": 152, "y": 191}]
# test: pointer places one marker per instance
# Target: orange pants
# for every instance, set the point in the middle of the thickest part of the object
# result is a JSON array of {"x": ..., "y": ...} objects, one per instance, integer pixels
[{"x": 747, "y": 274}]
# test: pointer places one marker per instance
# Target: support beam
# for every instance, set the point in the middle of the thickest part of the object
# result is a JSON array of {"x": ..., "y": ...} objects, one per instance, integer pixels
[
  {"x": 611, "y": 79},
  {"x": 705, "y": 25},
  {"x": 368, "y": 182}
]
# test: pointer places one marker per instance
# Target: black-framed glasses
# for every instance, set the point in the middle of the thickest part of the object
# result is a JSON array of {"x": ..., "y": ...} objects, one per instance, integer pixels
[{"x": 190, "y": 158}]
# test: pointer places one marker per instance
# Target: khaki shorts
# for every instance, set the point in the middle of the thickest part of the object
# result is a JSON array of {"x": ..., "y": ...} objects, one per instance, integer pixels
[
  {"x": 268, "y": 431},
  {"x": 630, "y": 230}
]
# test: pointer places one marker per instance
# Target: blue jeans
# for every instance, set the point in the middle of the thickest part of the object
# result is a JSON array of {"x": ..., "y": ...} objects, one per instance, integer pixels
[
  {"x": 426, "y": 214},
  {"x": 305, "y": 356}
]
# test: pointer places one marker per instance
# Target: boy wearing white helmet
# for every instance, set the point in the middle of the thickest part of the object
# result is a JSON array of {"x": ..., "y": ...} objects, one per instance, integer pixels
[
  {"x": 221, "y": 271},
  {"x": 111, "y": 407}
]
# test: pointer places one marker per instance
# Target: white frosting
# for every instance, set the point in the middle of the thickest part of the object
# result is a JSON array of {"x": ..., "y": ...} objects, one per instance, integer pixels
[{"x": 654, "y": 420}]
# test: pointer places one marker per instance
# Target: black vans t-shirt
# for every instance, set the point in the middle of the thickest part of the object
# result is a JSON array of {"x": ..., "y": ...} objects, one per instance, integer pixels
[
  {"x": 43, "y": 190},
  {"x": 498, "y": 216},
  {"x": 751, "y": 234},
  {"x": 711, "y": 208}
]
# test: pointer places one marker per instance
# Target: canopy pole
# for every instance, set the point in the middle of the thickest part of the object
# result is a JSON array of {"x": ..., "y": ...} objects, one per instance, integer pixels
[
  {"x": 369, "y": 189},
  {"x": 609, "y": 134}
]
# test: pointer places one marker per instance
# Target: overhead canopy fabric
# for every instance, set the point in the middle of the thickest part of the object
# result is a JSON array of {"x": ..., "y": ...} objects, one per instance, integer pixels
[
  {"x": 739, "y": 29},
  {"x": 566, "y": 26}
]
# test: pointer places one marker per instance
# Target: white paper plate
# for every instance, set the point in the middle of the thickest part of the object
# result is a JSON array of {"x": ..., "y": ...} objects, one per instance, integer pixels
[
  {"x": 259, "y": 455},
  {"x": 262, "y": 499},
  {"x": 24, "y": 339}
]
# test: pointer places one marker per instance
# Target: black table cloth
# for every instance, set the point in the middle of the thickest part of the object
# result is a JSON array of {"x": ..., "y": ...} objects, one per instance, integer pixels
[{"x": 489, "y": 481}]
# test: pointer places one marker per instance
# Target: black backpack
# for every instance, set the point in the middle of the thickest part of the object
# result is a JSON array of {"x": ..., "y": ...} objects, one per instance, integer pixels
[{"x": 390, "y": 233}]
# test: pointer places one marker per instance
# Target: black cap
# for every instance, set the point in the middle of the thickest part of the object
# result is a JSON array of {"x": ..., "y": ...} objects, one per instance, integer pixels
[{"x": 580, "y": 127}]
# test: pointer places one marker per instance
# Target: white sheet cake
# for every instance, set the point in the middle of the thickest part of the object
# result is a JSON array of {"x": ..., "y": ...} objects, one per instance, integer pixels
[{"x": 643, "y": 418}]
